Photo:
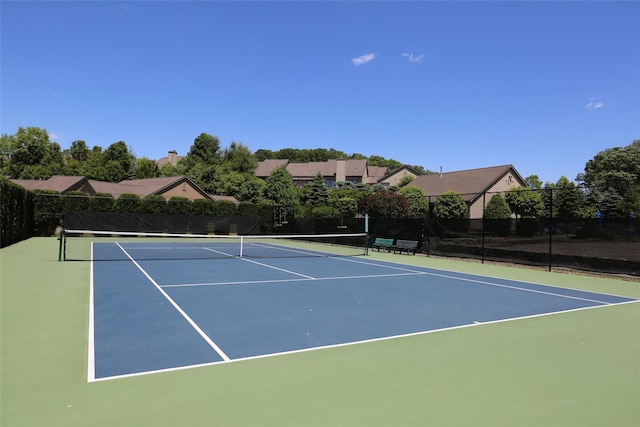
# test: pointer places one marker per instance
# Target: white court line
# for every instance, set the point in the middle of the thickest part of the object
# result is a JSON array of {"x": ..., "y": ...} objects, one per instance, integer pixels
[
  {"x": 494, "y": 284},
  {"x": 218, "y": 252},
  {"x": 91, "y": 356},
  {"x": 372, "y": 340},
  {"x": 279, "y": 269},
  {"x": 409, "y": 272},
  {"x": 177, "y": 307},
  {"x": 315, "y": 279},
  {"x": 262, "y": 264}
]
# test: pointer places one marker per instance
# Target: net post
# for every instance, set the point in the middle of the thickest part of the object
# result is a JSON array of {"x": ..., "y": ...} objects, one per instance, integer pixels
[
  {"x": 60, "y": 246},
  {"x": 241, "y": 245},
  {"x": 366, "y": 234}
]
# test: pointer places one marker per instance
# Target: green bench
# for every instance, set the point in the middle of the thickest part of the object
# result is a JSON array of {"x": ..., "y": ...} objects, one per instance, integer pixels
[
  {"x": 380, "y": 243},
  {"x": 408, "y": 246}
]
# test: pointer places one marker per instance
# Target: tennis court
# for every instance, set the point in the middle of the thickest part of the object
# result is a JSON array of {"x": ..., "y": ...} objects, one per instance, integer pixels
[
  {"x": 393, "y": 340},
  {"x": 170, "y": 305}
]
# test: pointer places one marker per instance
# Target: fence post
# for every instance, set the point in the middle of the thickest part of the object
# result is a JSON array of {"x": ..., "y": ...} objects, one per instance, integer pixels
[
  {"x": 550, "y": 222},
  {"x": 484, "y": 206}
]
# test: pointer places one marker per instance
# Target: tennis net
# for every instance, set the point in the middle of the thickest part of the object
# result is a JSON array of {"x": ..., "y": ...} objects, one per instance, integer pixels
[{"x": 92, "y": 245}]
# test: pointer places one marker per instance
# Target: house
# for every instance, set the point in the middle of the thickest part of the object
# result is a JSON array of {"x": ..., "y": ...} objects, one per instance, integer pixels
[
  {"x": 59, "y": 183},
  {"x": 179, "y": 186},
  {"x": 171, "y": 159},
  {"x": 356, "y": 171},
  {"x": 476, "y": 186},
  {"x": 396, "y": 176},
  {"x": 173, "y": 186}
]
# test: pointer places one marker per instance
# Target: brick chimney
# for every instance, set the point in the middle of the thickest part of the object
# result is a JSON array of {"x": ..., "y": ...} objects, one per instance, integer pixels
[
  {"x": 341, "y": 170},
  {"x": 173, "y": 157}
]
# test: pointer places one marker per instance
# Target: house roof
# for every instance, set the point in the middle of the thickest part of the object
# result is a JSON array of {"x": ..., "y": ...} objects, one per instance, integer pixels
[
  {"x": 353, "y": 168},
  {"x": 170, "y": 159},
  {"x": 59, "y": 183},
  {"x": 143, "y": 187},
  {"x": 386, "y": 176},
  {"x": 469, "y": 183},
  {"x": 217, "y": 198},
  {"x": 377, "y": 174},
  {"x": 267, "y": 166}
]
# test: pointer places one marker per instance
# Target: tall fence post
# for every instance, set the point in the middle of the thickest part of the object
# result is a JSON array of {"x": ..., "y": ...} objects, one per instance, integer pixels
[
  {"x": 484, "y": 206},
  {"x": 550, "y": 222}
]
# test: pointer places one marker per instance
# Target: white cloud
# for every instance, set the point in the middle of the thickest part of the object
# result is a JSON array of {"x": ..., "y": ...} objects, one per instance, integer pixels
[
  {"x": 594, "y": 104},
  {"x": 413, "y": 58},
  {"x": 361, "y": 60},
  {"x": 53, "y": 136}
]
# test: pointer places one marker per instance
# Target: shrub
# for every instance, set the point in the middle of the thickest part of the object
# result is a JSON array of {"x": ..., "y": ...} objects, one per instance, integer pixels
[
  {"x": 224, "y": 208},
  {"x": 154, "y": 203}
]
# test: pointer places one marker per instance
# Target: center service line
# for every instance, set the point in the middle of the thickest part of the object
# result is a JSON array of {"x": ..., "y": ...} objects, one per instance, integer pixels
[{"x": 180, "y": 310}]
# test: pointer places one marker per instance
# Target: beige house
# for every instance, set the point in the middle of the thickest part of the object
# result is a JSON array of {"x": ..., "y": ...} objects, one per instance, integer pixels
[
  {"x": 175, "y": 186},
  {"x": 476, "y": 186},
  {"x": 171, "y": 159},
  {"x": 356, "y": 171},
  {"x": 61, "y": 184},
  {"x": 395, "y": 177}
]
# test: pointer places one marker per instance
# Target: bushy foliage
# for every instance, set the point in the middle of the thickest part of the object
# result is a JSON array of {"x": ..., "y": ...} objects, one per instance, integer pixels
[
  {"x": 203, "y": 207},
  {"x": 497, "y": 208},
  {"x": 524, "y": 202},
  {"x": 449, "y": 205},
  {"x": 154, "y": 203},
  {"x": 418, "y": 201},
  {"x": 324, "y": 211},
  {"x": 128, "y": 203},
  {"x": 248, "y": 209},
  {"x": 318, "y": 191},
  {"x": 179, "y": 205},
  {"x": 224, "y": 208},
  {"x": 383, "y": 204},
  {"x": 280, "y": 191},
  {"x": 101, "y": 202},
  {"x": 75, "y": 201},
  {"x": 16, "y": 213},
  {"x": 497, "y": 216},
  {"x": 47, "y": 212}
]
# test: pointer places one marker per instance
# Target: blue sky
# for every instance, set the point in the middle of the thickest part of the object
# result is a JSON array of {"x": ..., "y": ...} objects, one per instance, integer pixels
[{"x": 459, "y": 85}]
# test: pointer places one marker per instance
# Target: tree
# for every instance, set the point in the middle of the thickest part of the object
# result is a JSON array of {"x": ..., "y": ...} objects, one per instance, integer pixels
[
  {"x": 7, "y": 144},
  {"x": 450, "y": 205},
  {"x": 524, "y": 202},
  {"x": 238, "y": 158},
  {"x": 497, "y": 216},
  {"x": 318, "y": 191},
  {"x": 279, "y": 189},
  {"x": 533, "y": 181},
  {"x": 31, "y": 147},
  {"x": 381, "y": 161},
  {"x": 418, "y": 202},
  {"x": 118, "y": 161},
  {"x": 497, "y": 208},
  {"x": 383, "y": 204},
  {"x": 631, "y": 201},
  {"x": 568, "y": 199},
  {"x": 232, "y": 183},
  {"x": 617, "y": 168},
  {"x": 145, "y": 168},
  {"x": 205, "y": 149},
  {"x": 79, "y": 151}
]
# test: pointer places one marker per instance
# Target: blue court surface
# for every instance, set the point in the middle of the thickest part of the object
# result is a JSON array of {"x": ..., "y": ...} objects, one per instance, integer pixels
[{"x": 165, "y": 312}]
